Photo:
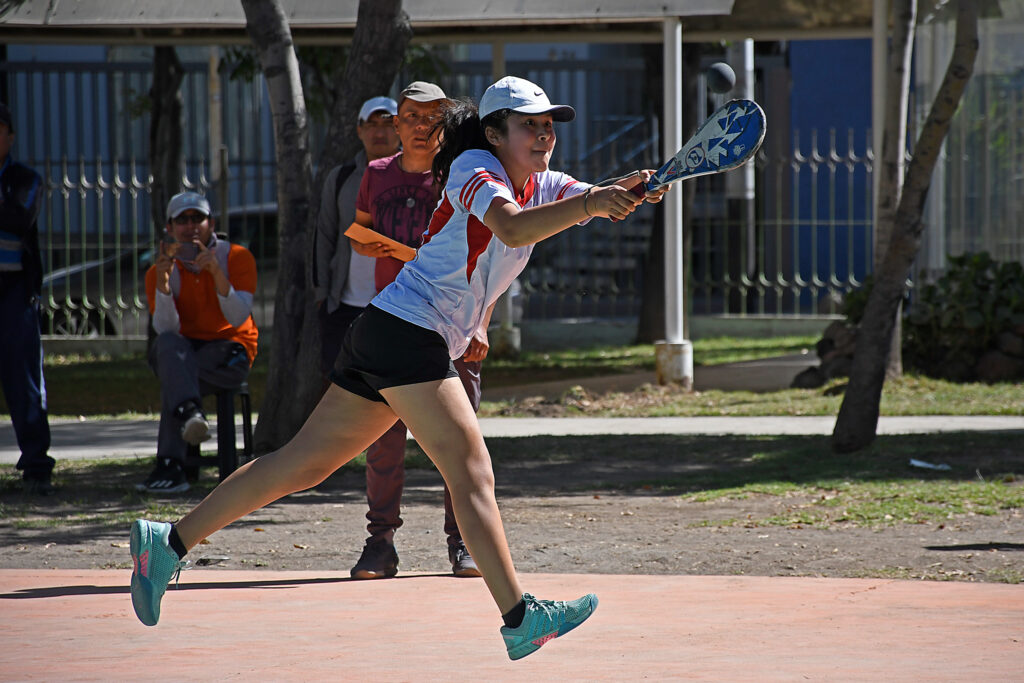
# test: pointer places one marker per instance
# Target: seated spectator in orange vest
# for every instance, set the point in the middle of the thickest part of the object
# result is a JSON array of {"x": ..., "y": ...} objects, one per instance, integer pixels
[{"x": 200, "y": 292}]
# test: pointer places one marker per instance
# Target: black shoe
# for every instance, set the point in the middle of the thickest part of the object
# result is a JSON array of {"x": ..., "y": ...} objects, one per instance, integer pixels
[
  {"x": 38, "y": 486},
  {"x": 166, "y": 477},
  {"x": 378, "y": 561},
  {"x": 463, "y": 563}
]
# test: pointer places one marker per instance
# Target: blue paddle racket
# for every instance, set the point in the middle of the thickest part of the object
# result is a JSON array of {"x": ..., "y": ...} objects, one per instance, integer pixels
[{"x": 728, "y": 139}]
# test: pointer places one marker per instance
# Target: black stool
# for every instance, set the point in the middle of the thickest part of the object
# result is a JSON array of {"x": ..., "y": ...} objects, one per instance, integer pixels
[{"x": 226, "y": 458}]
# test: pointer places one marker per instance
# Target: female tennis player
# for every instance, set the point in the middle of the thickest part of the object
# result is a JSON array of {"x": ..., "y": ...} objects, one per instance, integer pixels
[{"x": 499, "y": 200}]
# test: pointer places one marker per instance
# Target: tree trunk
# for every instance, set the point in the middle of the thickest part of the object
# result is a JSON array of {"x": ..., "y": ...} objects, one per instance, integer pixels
[
  {"x": 166, "y": 157},
  {"x": 857, "y": 422},
  {"x": 893, "y": 152},
  {"x": 294, "y": 382},
  {"x": 378, "y": 49},
  {"x": 290, "y": 392},
  {"x": 651, "y": 326}
]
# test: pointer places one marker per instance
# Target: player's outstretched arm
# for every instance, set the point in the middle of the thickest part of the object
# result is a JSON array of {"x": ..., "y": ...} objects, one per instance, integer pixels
[
  {"x": 630, "y": 181},
  {"x": 521, "y": 227}
]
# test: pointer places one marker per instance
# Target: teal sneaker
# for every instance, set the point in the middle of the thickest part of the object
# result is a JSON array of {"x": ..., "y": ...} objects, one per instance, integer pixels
[
  {"x": 545, "y": 620},
  {"x": 154, "y": 565}
]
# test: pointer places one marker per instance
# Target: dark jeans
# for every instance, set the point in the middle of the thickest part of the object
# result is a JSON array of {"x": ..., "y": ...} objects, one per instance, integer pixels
[
  {"x": 385, "y": 471},
  {"x": 21, "y": 374},
  {"x": 180, "y": 363}
]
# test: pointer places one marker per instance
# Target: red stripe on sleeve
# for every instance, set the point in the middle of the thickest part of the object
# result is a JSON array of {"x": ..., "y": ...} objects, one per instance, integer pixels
[
  {"x": 561, "y": 193},
  {"x": 474, "y": 181},
  {"x": 465, "y": 188},
  {"x": 478, "y": 236},
  {"x": 469, "y": 190}
]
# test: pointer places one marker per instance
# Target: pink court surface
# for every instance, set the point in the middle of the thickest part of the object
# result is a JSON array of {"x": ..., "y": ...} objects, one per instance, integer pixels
[{"x": 72, "y": 625}]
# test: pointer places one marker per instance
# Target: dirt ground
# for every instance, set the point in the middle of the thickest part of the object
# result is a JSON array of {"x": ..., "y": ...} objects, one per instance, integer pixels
[{"x": 571, "y": 519}]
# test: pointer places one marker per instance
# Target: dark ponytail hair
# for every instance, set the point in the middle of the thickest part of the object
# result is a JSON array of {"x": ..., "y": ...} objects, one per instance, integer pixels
[{"x": 461, "y": 129}]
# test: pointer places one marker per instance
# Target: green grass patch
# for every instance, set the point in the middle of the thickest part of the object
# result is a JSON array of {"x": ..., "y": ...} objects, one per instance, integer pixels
[
  {"x": 875, "y": 487},
  {"x": 908, "y": 501},
  {"x": 100, "y": 386},
  {"x": 543, "y": 366}
]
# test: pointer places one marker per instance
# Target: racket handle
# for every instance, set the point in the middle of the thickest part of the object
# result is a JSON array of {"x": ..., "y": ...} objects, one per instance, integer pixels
[{"x": 640, "y": 189}]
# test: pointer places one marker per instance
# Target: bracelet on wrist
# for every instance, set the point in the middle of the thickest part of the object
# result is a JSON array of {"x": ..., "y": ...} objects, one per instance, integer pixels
[{"x": 586, "y": 196}]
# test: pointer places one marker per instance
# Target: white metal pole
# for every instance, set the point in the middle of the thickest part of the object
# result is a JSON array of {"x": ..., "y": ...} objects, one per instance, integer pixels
[
  {"x": 748, "y": 93},
  {"x": 672, "y": 140},
  {"x": 674, "y": 355}
]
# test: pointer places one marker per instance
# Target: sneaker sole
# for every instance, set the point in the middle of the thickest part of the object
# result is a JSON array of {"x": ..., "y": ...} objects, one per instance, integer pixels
[
  {"x": 469, "y": 573},
  {"x": 364, "y": 574},
  {"x": 195, "y": 432},
  {"x": 529, "y": 647},
  {"x": 177, "y": 488},
  {"x": 142, "y": 589}
]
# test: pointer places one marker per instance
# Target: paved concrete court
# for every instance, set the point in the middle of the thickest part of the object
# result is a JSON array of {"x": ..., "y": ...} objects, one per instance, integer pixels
[{"x": 289, "y": 626}]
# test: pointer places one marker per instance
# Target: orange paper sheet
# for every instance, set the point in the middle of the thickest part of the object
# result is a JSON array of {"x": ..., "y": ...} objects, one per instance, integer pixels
[{"x": 364, "y": 235}]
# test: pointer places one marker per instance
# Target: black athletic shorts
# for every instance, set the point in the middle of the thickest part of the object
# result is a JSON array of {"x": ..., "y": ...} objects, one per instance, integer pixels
[{"x": 381, "y": 350}]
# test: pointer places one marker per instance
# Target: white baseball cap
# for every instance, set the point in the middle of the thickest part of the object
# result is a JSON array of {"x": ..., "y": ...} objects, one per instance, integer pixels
[
  {"x": 522, "y": 97},
  {"x": 375, "y": 104},
  {"x": 180, "y": 203}
]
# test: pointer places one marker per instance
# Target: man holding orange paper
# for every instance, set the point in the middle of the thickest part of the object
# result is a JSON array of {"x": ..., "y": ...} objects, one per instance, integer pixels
[{"x": 396, "y": 200}]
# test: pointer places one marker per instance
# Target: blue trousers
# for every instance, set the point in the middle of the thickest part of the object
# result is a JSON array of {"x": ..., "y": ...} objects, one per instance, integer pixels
[{"x": 21, "y": 374}]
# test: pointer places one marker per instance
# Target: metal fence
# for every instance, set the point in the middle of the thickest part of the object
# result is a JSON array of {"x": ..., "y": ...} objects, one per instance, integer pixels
[
  {"x": 976, "y": 201},
  {"x": 809, "y": 239}
]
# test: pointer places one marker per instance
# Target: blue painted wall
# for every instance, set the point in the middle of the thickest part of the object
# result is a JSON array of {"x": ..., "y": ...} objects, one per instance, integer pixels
[{"x": 831, "y": 88}]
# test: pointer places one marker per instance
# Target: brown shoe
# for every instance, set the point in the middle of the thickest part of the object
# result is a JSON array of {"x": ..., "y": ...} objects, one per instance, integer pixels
[{"x": 378, "y": 561}]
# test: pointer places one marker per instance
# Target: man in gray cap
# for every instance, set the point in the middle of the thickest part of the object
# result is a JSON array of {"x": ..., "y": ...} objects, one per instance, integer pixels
[
  {"x": 397, "y": 198},
  {"x": 342, "y": 277},
  {"x": 200, "y": 292},
  {"x": 21, "y": 276}
]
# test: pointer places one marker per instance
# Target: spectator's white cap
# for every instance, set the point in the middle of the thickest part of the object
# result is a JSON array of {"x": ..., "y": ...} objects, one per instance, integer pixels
[
  {"x": 180, "y": 203},
  {"x": 375, "y": 104},
  {"x": 522, "y": 97}
]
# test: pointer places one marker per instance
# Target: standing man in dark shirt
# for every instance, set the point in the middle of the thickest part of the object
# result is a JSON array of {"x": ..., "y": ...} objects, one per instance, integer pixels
[{"x": 21, "y": 278}]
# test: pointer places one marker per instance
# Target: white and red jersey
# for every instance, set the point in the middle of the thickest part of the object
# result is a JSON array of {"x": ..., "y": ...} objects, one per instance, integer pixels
[{"x": 462, "y": 267}]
